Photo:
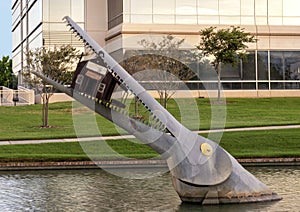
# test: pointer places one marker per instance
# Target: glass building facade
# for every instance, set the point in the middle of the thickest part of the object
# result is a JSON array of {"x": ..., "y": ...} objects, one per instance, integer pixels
[
  {"x": 37, "y": 23},
  {"x": 224, "y": 12},
  {"x": 273, "y": 62}
]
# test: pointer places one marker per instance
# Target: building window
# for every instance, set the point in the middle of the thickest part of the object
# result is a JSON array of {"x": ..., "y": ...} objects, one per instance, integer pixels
[
  {"x": 115, "y": 13},
  {"x": 101, "y": 88},
  {"x": 285, "y": 65},
  {"x": 262, "y": 65}
]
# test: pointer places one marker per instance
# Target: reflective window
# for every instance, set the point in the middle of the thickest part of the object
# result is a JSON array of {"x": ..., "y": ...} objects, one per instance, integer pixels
[
  {"x": 238, "y": 85},
  {"x": 163, "y": 7},
  {"x": 227, "y": 12},
  {"x": 262, "y": 65},
  {"x": 247, "y": 20},
  {"x": 115, "y": 13},
  {"x": 275, "y": 8},
  {"x": 164, "y": 19},
  {"x": 231, "y": 73},
  {"x": 17, "y": 58},
  {"x": 143, "y": 19},
  {"x": 263, "y": 85},
  {"x": 30, "y": 2},
  {"x": 186, "y": 7},
  {"x": 285, "y": 85},
  {"x": 34, "y": 16},
  {"x": 46, "y": 15},
  {"x": 275, "y": 20},
  {"x": 77, "y": 10},
  {"x": 227, "y": 20},
  {"x": 16, "y": 36},
  {"x": 277, "y": 65},
  {"x": 275, "y": 12},
  {"x": 291, "y": 8},
  {"x": 261, "y": 7},
  {"x": 248, "y": 67},
  {"x": 245, "y": 70},
  {"x": 59, "y": 9},
  {"x": 36, "y": 41},
  {"x": 291, "y": 20},
  {"x": 210, "y": 7},
  {"x": 186, "y": 19},
  {"x": 24, "y": 21},
  {"x": 13, "y": 2},
  {"x": 285, "y": 65},
  {"x": 229, "y": 7},
  {"x": 141, "y": 7},
  {"x": 16, "y": 14},
  {"x": 208, "y": 20},
  {"x": 261, "y": 20},
  {"x": 247, "y": 7}
]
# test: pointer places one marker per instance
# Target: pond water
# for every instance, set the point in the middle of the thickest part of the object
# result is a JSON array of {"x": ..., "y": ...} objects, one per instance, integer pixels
[{"x": 97, "y": 190}]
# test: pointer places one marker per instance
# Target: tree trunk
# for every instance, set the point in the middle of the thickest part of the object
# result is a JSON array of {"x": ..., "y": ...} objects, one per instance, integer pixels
[
  {"x": 43, "y": 109},
  {"x": 219, "y": 80},
  {"x": 46, "y": 112},
  {"x": 165, "y": 98}
]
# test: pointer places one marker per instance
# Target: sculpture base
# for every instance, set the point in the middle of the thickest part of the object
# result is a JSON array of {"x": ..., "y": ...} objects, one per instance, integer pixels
[{"x": 211, "y": 195}]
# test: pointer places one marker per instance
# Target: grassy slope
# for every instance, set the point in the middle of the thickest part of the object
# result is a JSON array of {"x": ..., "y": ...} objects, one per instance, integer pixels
[
  {"x": 23, "y": 122},
  {"x": 271, "y": 143}
]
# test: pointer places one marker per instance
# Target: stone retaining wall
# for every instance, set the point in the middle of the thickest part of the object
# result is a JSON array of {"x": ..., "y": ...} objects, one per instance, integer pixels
[{"x": 127, "y": 163}]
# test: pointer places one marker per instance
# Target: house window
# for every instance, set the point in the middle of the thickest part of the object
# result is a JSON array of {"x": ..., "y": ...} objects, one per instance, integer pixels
[
  {"x": 101, "y": 88},
  {"x": 79, "y": 79}
]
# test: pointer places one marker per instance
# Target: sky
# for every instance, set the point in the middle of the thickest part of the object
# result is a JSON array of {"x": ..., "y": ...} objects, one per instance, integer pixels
[{"x": 5, "y": 24}]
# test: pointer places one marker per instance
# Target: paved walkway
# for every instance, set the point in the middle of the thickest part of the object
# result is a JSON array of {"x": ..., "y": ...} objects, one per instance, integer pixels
[{"x": 131, "y": 136}]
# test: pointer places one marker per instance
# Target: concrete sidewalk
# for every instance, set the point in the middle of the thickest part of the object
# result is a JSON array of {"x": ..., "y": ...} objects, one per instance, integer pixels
[{"x": 131, "y": 136}]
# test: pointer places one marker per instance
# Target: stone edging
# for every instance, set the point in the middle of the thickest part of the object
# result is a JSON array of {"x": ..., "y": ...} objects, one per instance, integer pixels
[{"x": 129, "y": 163}]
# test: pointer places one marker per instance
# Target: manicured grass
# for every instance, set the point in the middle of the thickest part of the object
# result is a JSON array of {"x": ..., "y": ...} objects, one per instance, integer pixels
[
  {"x": 23, "y": 122},
  {"x": 74, "y": 151},
  {"x": 270, "y": 143},
  {"x": 245, "y": 112},
  {"x": 249, "y": 144}
]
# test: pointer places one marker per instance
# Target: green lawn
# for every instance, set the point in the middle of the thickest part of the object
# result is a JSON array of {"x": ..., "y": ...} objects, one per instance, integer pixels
[
  {"x": 269, "y": 143},
  {"x": 250, "y": 144},
  {"x": 23, "y": 123}
]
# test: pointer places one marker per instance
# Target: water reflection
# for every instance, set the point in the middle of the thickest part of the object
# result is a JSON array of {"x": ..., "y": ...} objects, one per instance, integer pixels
[{"x": 96, "y": 190}]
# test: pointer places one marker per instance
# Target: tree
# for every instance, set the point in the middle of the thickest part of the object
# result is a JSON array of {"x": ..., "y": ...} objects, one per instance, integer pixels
[
  {"x": 167, "y": 61},
  {"x": 226, "y": 46},
  {"x": 55, "y": 63},
  {"x": 7, "y": 78}
]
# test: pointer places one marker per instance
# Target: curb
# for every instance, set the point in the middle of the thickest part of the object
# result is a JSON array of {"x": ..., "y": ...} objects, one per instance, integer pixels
[{"x": 10, "y": 166}]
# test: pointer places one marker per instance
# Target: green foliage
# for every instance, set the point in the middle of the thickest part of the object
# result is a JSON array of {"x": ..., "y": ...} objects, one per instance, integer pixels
[
  {"x": 163, "y": 61},
  {"x": 56, "y": 63},
  {"x": 166, "y": 55},
  {"x": 225, "y": 45},
  {"x": 7, "y": 78}
]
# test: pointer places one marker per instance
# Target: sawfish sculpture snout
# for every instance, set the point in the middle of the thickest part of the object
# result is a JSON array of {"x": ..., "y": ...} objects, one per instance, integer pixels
[{"x": 202, "y": 171}]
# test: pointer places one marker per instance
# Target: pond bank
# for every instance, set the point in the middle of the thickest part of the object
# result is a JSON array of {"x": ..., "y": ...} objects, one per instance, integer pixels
[{"x": 9, "y": 166}]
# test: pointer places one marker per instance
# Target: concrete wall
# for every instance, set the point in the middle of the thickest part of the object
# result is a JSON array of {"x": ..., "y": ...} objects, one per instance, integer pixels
[
  {"x": 234, "y": 93},
  {"x": 57, "y": 97}
]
